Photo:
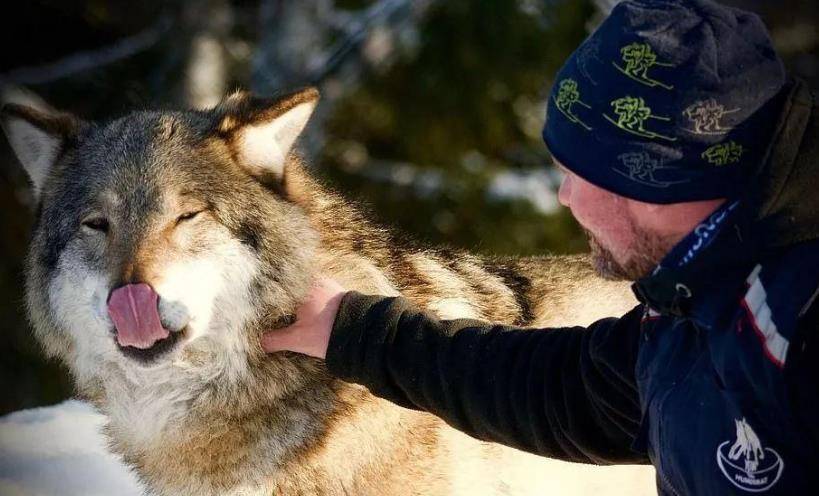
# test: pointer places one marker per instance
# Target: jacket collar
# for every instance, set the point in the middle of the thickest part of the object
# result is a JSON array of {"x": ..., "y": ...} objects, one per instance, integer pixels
[{"x": 707, "y": 267}]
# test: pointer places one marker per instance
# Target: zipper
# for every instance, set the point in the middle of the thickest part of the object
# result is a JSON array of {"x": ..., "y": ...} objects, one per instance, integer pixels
[
  {"x": 660, "y": 449},
  {"x": 660, "y": 408}
]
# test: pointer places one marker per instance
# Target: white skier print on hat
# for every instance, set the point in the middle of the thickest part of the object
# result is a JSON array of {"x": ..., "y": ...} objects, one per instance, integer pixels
[
  {"x": 746, "y": 463},
  {"x": 707, "y": 117},
  {"x": 640, "y": 167}
]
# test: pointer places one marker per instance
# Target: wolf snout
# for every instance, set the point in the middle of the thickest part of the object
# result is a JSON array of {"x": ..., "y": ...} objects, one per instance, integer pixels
[
  {"x": 134, "y": 310},
  {"x": 142, "y": 319}
]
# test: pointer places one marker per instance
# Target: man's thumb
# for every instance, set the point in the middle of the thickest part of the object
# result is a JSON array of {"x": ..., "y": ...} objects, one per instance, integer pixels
[{"x": 274, "y": 341}]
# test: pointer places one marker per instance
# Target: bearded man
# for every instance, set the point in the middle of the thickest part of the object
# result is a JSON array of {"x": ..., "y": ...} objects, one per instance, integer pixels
[{"x": 691, "y": 160}]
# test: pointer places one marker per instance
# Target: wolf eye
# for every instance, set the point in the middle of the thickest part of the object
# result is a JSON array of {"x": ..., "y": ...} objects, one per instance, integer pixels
[
  {"x": 97, "y": 224},
  {"x": 188, "y": 216}
]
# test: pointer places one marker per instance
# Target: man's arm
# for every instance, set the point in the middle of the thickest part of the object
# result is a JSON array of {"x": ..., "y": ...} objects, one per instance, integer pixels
[{"x": 566, "y": 393}]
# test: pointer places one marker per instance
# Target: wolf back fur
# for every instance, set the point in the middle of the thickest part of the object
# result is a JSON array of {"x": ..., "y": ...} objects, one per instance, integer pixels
[{"x": 215, "y": 212}]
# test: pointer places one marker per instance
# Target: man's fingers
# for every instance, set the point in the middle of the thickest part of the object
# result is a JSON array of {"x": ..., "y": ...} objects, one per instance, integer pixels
[{"x": 310, "y": 333}]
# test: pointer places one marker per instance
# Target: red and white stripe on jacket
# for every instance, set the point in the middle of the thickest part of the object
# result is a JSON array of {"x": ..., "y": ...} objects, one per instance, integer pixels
[{"x": 774, "y": 345}]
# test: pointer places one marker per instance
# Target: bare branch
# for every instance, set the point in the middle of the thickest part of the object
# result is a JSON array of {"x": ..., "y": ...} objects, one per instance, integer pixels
[
  {"x": 286, "y": 33},
  {"x": 91, "y": 59},
  {"x": 357, "y": 31},
  {"x": 297, "y": 47}
]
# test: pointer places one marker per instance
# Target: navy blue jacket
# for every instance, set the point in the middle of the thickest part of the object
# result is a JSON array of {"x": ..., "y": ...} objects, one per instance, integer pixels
[{"x": 713, "y": 378}]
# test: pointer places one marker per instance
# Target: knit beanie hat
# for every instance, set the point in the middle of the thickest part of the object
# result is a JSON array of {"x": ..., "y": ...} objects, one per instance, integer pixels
[{"x": 668, "y": 101}]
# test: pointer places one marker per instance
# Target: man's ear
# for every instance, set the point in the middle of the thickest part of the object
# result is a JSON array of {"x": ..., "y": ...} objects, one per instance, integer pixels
[
  {"x": 261, "y": 132},
  {"x": 37, "y": 138}
]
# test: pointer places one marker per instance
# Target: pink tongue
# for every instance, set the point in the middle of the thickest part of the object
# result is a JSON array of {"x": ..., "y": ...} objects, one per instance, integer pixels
[{"x": 133, "y": 308}]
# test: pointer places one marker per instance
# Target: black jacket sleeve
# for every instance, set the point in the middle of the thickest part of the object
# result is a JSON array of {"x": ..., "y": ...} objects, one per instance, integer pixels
[{"x": 566, "y": 393}]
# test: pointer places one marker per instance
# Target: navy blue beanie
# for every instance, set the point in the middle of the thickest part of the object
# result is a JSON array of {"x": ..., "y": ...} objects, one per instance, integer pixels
[{"x": 668, "y": 101}]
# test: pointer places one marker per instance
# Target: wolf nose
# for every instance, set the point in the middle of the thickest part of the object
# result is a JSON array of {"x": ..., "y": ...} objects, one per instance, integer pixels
[{"x": 134, "y": 310}]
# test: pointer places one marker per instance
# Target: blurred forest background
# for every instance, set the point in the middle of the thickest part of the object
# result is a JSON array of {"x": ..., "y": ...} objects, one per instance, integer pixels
[{"x": 431, "y": 109}]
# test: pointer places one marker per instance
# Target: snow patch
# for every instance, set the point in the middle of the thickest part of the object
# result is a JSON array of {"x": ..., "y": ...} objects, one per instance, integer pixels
[{"x": 59, "y": 451}]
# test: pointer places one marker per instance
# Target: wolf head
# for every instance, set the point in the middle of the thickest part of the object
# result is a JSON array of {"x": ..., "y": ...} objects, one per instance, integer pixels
[{"x": 164, "y": 242}]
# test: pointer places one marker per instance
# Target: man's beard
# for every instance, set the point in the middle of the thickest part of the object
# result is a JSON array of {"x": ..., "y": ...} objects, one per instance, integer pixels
[{"x": 647, "y": 251}]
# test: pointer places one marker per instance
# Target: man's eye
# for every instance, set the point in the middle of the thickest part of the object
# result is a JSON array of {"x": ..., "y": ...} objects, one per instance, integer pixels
[
  {"x": 188, "y": 216},
  {"x": 97, "y": 224}
]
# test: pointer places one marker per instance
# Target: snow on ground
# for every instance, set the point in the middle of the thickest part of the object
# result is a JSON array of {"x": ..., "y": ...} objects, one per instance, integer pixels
[{"x": 59, "y": 451}]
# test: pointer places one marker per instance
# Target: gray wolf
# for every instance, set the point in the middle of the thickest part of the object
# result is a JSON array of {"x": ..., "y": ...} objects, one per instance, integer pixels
[{"x": 212, "y": 218}]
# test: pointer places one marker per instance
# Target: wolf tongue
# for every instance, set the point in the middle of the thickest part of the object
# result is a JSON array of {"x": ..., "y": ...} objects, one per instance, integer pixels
[{"x": 133, "y": 308}]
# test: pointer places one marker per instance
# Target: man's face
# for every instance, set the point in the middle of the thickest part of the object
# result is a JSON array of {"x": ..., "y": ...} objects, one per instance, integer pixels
[{"x": 622, "y": 246}]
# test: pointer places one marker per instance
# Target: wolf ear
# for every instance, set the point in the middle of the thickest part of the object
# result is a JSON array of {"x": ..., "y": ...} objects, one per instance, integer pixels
[
  {"x": 261, "y": 132},
  {"x": 37, "y": 138}
]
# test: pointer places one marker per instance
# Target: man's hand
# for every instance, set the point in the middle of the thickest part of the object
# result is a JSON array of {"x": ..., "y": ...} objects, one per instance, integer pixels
[{"x": 314, "y": 322}]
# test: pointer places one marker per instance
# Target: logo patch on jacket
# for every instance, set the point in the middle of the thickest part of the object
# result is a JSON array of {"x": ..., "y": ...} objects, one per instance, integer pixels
[{"x": 746, "y": 463}]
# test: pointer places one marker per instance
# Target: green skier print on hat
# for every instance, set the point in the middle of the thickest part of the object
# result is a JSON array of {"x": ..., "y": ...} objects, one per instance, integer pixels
[
  {"x": 567, "y": 96},
  {"x": 724, "y": 153},
  {"x": 632, "y": 113},
  {"x": 639, "y": 58}
]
